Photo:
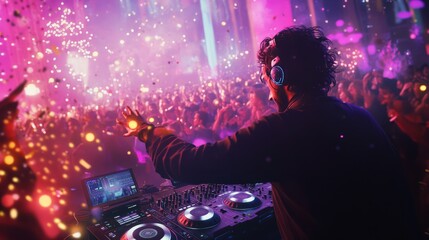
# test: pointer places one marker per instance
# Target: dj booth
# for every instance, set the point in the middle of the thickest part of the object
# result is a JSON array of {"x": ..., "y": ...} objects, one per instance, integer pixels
[{"x": 119, "y": 210}]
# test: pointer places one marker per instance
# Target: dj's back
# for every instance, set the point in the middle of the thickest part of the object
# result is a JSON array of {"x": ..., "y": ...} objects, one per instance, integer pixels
[{"x": 339, "y": 177}]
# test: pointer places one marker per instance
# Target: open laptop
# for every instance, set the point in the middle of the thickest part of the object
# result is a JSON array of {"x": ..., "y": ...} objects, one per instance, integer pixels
[{"x": 111, "y": 190}]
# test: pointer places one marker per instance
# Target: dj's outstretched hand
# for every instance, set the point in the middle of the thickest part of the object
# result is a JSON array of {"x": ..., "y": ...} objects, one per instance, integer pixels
[
  {"x": 9, "y": 113},
  {"x": 133, "y": 122}
]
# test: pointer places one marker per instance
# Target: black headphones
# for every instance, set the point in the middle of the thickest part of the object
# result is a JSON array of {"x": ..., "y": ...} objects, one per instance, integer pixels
[{"x": 277, "y": 75}]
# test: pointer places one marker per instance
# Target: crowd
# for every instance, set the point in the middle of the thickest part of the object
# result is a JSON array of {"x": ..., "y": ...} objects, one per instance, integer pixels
[
  {"x": 401, "y": 107},
  {"x": 62, "y": 149}
]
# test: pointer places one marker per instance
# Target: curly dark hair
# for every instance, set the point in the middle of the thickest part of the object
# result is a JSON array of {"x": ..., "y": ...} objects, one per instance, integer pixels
[{"x": 306, "y": 56}]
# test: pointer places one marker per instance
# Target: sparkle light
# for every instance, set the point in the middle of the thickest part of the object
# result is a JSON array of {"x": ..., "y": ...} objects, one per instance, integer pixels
[
  {"x": 90, "y": 137},
  {"x": 62, "y": 226},
  {"x": 423, "y": 88},
  {"x": 12, "y": 145},
  {"x": 70, "y": 32},
  {"x": 39, "y": 55},
  {"x": 31, "y": 90},
  {"x": 132, "y": 124},
  {"x": 28, "y": 198},
  {"x": 7, "y": 200},
  {"x": 76, "y": 235},
  {"x": 84, "y": 164},
  {"x": 45, "y": 201},
  {"x": 8, "y": 160},
  {"x": 13, "y": 213}
]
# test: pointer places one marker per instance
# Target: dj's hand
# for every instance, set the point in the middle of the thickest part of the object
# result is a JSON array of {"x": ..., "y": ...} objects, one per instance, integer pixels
[{"x": 133, "y": 122}]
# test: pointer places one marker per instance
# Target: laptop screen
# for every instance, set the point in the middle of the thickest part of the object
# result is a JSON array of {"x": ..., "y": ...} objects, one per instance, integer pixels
[{"x": 111, "y": 188}]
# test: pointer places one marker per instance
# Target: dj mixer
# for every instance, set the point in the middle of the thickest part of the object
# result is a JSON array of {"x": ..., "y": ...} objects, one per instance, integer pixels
[{"x": 206, "y": 211}]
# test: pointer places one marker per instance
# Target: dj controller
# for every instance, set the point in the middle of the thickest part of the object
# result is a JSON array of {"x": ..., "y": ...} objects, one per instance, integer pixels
[{"x": 207, "y": 211}]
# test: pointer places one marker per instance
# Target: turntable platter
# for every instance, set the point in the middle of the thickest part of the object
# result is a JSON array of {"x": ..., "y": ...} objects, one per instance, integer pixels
[
  {"x": 242, "y": 201},
  {"x": 148, "y": 231},
  {"x": 198, "y": 217}
]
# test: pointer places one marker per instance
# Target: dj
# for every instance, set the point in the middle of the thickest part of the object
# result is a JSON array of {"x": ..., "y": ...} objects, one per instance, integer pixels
[{"x": 334, "y": 173}]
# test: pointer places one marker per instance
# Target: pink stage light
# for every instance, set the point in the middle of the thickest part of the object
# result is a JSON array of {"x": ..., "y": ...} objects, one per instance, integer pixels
[
  {"x": 339, "y": 23},
  {"x": 403, "y": 14},
  {"x": 416, "y": 4},
  {"x": 31, "y": 90},
  {"x": 371, "y": 49}
]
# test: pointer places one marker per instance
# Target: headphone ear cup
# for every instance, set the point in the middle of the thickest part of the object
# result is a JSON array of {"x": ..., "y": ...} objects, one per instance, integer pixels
[{"x": 277, "y": 75}]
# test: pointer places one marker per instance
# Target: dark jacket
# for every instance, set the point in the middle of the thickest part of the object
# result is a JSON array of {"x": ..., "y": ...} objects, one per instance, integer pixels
[{"x": 333, "y": 170}]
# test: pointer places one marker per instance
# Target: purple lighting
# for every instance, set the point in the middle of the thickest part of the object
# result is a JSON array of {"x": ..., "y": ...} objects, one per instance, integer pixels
[
  {"x": 403, "y": 15},
  {"x": 339, "y": 23},
  {"x": 416, "y": 4},
  {"x": 371, "y": 49}
]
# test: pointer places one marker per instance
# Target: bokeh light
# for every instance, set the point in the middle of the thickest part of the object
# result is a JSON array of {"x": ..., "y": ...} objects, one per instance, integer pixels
[
  {"x": 31, "y": 90},
  {"x": 77, "y": 235},
  {"x": 84, "y": 164},
  {"x": 132, "y": 124},
  {"x": 13, "y": 213},
  {"x": 90, "y": 137},
  {"x": 7, "y": 200},
  {"x": 9, "y": 159},
  {"x": 45, "y": 201}
]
